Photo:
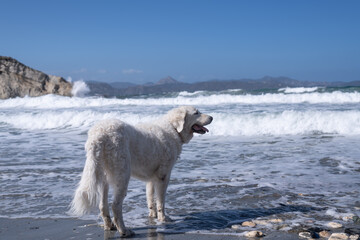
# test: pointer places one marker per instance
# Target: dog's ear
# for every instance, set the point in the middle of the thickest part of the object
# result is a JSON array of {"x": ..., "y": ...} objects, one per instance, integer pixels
[{"x": 177, "y": 118}]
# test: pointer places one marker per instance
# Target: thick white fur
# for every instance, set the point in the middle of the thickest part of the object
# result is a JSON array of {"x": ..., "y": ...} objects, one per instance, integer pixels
[{"x": 116, "y": 150}]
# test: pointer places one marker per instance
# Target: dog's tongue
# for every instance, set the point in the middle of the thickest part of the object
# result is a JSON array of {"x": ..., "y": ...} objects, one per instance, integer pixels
[{"x": 198, "y": 128}]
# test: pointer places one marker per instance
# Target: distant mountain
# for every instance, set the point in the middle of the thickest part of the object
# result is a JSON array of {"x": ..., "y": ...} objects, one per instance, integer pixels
[
  {"x": 102, "y": 89},
  {"x": 169, "y": 84},
  {"x": 121, "y": 85},
  {"x": 167, "y": 80}
]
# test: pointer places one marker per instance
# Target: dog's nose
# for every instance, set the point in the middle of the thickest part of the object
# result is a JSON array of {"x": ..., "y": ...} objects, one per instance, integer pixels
[{"x": 211, "y": 118}]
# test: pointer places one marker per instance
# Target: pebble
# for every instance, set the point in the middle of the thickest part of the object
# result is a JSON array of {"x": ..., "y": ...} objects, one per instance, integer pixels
[
  {"x": 334, "y": 225},
  {"x": 252, "y": 234},
  {"x": 338, "y": 236},
  {"x": 261, "y": 222},
  {"x": 324, "y": 234},
  {"x": 348, "y": 217},
  {"x": 236, "y": 226},
  {"x": 305, "y": 235},
  {"x": 201, "y": 181},
  {"x": 248, "y": 224},
  {"x": 276, "y": 220},
  {"x": 354, "y": 237}
]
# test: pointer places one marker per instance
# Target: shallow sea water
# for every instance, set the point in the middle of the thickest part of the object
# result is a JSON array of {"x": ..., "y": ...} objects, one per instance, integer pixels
[{"x": 296, "y": 162}]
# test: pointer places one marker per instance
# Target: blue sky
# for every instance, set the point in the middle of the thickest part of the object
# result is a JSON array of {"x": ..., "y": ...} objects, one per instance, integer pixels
[{"x": 143, "y": 41}]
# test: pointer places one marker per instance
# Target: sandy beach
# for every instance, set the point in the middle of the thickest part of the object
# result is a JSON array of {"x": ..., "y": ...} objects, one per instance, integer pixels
[{"x": 52, "y": 229}]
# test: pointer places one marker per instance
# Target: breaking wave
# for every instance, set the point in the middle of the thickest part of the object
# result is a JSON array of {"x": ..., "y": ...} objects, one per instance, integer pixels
[
  {"x": 225, "y": 124},
  {"x": 298, "y": 90},
  {"x": 288, "y": 111},
  {"x": 183, "y": 98}
]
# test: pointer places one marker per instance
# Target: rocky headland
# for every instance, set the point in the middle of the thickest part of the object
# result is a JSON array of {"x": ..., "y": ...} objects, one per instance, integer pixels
[{"x": 19, "y": 80}]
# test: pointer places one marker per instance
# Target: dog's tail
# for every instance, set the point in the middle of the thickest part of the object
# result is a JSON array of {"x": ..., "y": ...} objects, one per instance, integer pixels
[{"x": 91, "y": 185}]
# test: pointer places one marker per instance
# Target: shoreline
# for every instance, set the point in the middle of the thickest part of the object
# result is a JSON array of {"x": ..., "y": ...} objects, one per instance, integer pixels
[{"x": 68, "y": 228}]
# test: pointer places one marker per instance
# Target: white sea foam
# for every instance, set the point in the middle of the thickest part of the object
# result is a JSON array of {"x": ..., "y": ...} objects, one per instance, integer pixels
[
  {"x": 67, "y": 119},
  {"x": 286, "y": 122},
  {"x": 52, "y": 101},
  {"x": 80, "y": 89},
  {"x": 55, "y": 102},
  {"x": 185, "y": 93},
  {"x": 298, "y": 90},
  {"x": 282, "y": 123},
  {"x": 343, "y": 216}
]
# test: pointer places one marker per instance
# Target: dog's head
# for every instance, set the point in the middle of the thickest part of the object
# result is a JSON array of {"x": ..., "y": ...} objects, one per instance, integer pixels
[{"x": 188, "y": 120}]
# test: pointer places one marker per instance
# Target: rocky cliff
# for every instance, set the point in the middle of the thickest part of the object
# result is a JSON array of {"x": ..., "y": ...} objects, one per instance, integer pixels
[{"x": 18, "y": 80}]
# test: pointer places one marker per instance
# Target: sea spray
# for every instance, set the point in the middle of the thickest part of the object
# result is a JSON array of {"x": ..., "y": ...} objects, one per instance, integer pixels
[{"x": 80, "y": 89}]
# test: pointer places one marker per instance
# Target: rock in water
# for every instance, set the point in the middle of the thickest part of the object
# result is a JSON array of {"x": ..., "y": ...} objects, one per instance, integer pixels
[
  {"x": 305, "y": 235},
  {"x": 253, "y": 234},
  {"x": 236, "y": 226},
  {"x": 324, "y": 234},
  {"x": 248, "y": 224},
  {"x": 276, "y": 220},
  {"x": 18, "y": 80},
  {"x": 338, "y": 236},
  {"x": 354, "y": 237},
  {"x": 334, "y": 225}
]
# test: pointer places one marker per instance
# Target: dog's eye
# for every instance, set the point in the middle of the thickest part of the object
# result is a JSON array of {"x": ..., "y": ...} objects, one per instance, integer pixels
[{"x": 197, "y": 112}]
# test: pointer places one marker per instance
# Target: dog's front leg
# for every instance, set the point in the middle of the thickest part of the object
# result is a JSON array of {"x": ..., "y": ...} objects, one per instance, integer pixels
[
  {"x": 160, "y": 188},
  {"x": 150, "y": 199}
]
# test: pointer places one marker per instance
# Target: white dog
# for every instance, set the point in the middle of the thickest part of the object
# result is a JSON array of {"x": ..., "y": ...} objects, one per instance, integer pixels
[{"x": 116, "y": 150}]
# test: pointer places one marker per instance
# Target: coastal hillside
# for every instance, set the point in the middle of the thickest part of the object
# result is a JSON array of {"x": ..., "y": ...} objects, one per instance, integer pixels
[
  {"x": 19, "y": 80},
  {"x": 169, "y": 84}
]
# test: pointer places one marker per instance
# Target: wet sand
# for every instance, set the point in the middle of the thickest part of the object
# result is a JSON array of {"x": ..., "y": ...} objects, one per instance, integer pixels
[{"x": 52, "y": 229}]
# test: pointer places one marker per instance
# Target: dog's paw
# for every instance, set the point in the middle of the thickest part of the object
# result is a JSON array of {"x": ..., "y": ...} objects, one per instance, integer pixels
[
  {"x": 126, "y": 233},
  {"x": 165, "y": 219},
  {"x": 111, "y": 227},
  {"x": 152, "y": 214}
]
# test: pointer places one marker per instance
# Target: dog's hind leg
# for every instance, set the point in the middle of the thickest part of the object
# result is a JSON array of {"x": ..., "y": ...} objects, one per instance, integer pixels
[
  {"x": 104, "y": 209},
  {"x": 120, "y": 189},
  {"x": 150, "y": 199}
]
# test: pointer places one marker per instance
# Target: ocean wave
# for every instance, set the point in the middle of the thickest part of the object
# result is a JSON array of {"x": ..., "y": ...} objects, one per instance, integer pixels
[
  {"x": 298, "y": 90},
  {"x": 287, "y": 123},
  {"x": 224, "y": 124},
  {"x": 67, "y": 119},
  {"x": 53, "y": 101}
]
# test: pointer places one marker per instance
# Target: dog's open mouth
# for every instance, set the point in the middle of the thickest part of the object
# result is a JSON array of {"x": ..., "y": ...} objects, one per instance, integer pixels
[{"x": 199, "y": 129}]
